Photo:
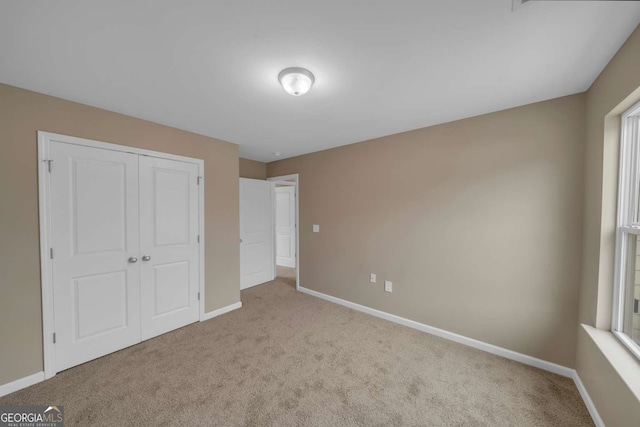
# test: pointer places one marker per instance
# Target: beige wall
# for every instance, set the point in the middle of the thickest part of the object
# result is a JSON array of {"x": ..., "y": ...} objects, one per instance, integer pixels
[
  {"x": 616, "y": 403},
  {"x": 22, "y": 113},
  {"x": 611, "y": 93},
  {"x": 615, "y": 90},
  {"x": 476, "y": 222},
  {"x": 483, "y": 224},
  {"x": 252, "y": 169}
]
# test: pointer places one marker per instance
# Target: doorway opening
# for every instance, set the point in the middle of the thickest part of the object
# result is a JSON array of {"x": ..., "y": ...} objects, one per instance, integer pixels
[{"x": 285, "y": 228}]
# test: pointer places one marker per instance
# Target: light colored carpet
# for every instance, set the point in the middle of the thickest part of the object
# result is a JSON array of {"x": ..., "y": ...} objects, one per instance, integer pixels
[{"x": 289, "y": 359}]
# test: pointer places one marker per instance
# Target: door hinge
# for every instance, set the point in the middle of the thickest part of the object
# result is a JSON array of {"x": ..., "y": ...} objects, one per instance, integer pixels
[
  {"x": 198, "y": 179},
  {"x": 49, "y": 165},
  {"x": 54, "y": 337},
  {"x": 51, "y": 253},
  {"x": 198, "y": 238},
  {"x": 198, "y": 296}
]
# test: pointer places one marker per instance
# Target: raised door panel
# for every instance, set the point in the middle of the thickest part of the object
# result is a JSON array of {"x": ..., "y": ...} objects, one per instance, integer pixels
[
  {"x": 171, "y": 207},
  {"x": 100, "y": 304},
  {"x": 171, "y": 291}
]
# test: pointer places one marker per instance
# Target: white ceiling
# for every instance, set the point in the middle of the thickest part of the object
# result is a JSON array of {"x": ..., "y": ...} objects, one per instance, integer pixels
[{"x": 381, "y": 66}]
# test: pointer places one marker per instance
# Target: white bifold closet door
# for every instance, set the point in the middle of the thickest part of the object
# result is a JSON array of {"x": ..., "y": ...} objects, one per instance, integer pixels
[
  {"x": 168, "y": 244},
  {"x": 125, "y": 252},
  {"x": 94, "y": 232}
]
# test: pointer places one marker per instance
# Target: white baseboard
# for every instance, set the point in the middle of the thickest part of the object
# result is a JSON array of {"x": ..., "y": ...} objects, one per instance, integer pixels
[
  {"x": 39, "y": 376},
  {"x": 595, "y": 416},
  {"x": 21, "y": 383},
  {"x": 490, "y": 348},
  {"x": 221, "y": 311}
]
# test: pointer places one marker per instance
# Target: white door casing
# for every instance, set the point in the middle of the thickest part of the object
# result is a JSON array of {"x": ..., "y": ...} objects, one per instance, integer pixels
[
  {"x": 285, "y": 226},
  {"x": 168, "y": 244},
  {"x": 94, "y": 232},
  {"x": 256, "y": 232}
]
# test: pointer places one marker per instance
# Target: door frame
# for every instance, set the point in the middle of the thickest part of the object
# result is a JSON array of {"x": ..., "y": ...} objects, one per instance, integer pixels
[
  {"x": 44, "y": 208},
  {"x": 296, "y": 178}
]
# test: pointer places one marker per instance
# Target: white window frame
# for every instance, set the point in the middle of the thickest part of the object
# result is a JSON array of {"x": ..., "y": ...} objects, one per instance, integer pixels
[{"x": 628, "y": 221}]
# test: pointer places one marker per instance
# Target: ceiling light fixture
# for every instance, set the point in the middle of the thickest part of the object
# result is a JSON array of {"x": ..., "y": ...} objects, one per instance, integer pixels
[{"x": 296, "y": 81}]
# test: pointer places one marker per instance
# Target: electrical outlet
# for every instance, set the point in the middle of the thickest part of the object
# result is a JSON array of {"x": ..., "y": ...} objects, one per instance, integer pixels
[
  {"x": 372, "y": 279},
  {"x": 388, "y": 286},
  {"x": 316, "y": 228}
]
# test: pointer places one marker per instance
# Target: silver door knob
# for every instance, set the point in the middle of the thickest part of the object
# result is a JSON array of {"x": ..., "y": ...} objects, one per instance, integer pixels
[
  {"x": 146, "y": 257},
  {"x": 133, "y": 260}
]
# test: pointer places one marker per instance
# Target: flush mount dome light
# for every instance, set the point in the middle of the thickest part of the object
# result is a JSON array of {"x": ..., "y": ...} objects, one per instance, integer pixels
[{"x": 296, "y": 81}]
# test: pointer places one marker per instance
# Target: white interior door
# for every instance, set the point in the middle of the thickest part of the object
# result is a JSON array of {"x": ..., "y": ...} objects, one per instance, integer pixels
[
  {"x": 168, "y": 244},
  {"x": 94, "y": 236},
  {"x": 256, "y": 232},
  {"x": 286, "y": 226}
]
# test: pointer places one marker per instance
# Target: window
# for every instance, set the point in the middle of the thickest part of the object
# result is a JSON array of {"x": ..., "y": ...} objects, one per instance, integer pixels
[{"x": 626, "y": 310}]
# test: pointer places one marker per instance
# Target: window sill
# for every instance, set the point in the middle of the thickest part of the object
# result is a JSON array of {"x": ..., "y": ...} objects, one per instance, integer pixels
[{"x": 625, "y": 364}]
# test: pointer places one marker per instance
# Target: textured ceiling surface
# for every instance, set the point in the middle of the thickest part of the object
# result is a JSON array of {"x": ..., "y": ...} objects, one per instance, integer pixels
[{"x": 381, "y": 67}]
